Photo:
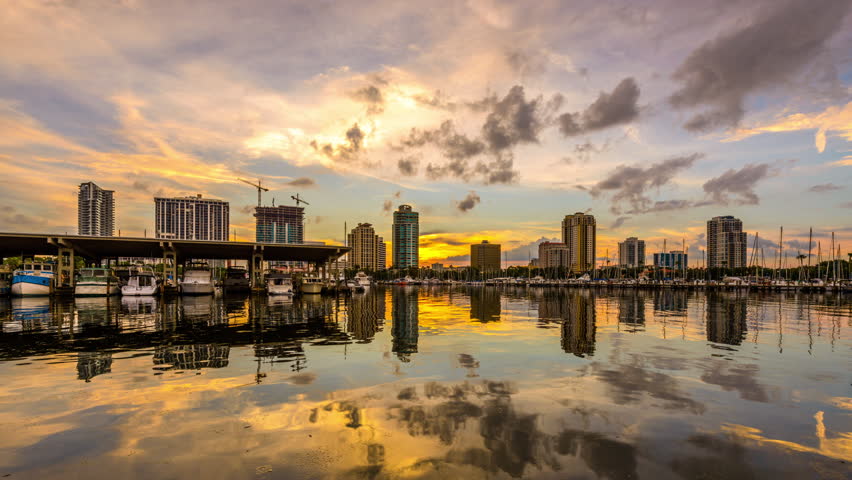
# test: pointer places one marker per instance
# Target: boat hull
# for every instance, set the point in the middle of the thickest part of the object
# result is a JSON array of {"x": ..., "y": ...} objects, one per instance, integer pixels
[
  {"x": 312, "y": 288},
  {"x": 102, "y": 290},
  {"x": 279, "y": 290},
  {"x": 129, "y": 291},
  {"x": 196, "y": 289},
  {"x": 30, "y": 286}
]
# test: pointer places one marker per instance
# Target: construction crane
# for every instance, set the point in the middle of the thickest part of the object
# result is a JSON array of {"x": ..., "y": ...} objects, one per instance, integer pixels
[
  {"x": 298, "y": 200},
  {"x": 258, "y": 186}
]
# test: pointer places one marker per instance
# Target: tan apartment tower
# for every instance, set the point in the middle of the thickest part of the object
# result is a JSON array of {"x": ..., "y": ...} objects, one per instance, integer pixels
[
  {"x": 579, "y": 234},
  {"x": 726, "y": 242},
  {"x": 368, "y": 249},
  {"x": 485, "y": 256}
]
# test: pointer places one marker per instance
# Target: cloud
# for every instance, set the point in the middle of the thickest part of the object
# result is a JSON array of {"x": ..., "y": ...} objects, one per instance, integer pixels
[
  {"x": 845, "y": 205},
  {"x": 737, "y": 185},
  {"x": 767, "y": 52},
  {"x": 514, "y": 120},
  {"x": 344, "y": 152},
  {"x": 408, "y": 165},
  {"x": 630, "y": 184},
  {"x": 618, "y": 222},
  {"x": 610, "y": 109},
  {"x": 510, "y": 121},
  {"x": 832, "y": 119},
  {"x": 302, "y": 182},
  {"x": 467, "y": 204},
  {"x": 387, "y": 205},
  {"x": 372, "y": 96},
  {"x": 825, "y": 187},
  {"x": 526, "y": 251}
]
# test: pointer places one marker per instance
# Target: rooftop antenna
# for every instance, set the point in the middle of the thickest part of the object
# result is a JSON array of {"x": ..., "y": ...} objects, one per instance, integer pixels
[
  {"x": 260, "y": 188},
  {"x": 298, "y": 200}
]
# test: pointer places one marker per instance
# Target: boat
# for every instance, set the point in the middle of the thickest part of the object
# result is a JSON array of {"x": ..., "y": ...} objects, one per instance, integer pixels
[
  {"x": 5, "y": 282},
  {"x": 96, "y": 282},
  {"x": 362, "y": 281},
  {"x": 34, "y": 279},
  {"x": 311, "y": 284},
  {"x": 197, "y": 279},
  {"x": 141, "y": 282},
  {"x": 278, "y": 283},
  {"x": 237, "y": 280}
]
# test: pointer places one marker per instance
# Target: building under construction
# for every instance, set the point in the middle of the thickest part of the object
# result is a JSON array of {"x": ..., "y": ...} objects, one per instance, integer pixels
[{"x": 282, "y": 224}]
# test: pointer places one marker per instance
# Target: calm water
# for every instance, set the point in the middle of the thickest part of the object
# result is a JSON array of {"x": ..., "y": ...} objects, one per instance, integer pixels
[{"x": 411, "y": 382}]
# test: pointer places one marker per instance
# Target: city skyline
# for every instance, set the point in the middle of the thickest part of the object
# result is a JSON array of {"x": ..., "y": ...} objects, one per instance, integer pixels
[{"x": 620, "y": 125}]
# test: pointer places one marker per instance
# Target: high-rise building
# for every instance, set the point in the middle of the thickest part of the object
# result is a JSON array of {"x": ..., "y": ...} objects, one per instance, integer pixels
[
  {"x": 631, "y": 253},
  {"x": 368, "y": 249},
  {"x": 192, "y": 218},
  {"x": 726, "y": 242},
  {"x": 552, "y": 255},
  {"x": 406, "y": 237},
  {"x": 281, "y": 224},
  {"x": 674, "y": 259},
  {"x": 579, "y": 234},
  {"x": 95, "y": 211},
  {"x": 485, "y": 256}
]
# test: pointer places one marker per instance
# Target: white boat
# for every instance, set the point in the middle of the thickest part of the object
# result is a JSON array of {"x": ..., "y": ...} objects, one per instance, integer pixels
[
  {"x": 362, "y": 281},
  {"x": 33, "y": 280},
  {"x": 96, "y": 282},
  {"x": 197, "y": 280},
  {"x": 279, "y": 283},
  {"x": 237, "y": 280},
  {"x": 311, "y": 284},
  {"x": 142, "y": 282}
]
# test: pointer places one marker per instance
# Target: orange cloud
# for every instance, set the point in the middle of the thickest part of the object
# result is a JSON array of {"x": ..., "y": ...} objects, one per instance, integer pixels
[{"x": 832, "y": 119}]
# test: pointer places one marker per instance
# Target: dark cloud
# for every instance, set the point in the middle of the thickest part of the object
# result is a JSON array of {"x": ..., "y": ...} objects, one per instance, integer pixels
[
  {"x": 526, "y": 251},
  {"x": 845, "y": 205},
  {"x": 766, "y": 52},
  {"x": 372, "y": 96},
  {"x": 630, "y": 184},
  {"x": 510, "y": 121},
  {"x": 247, "y": 209},
  {"x": 438, "y": 100},
  {"x": 408, "y": 165},
  {"x": 514, "y": 120},
  {"x": 825, "y": 187},
  {"x": 610, "y": 109},
  {"x": 303, "y": 182},
  {"x": 470, "y": 201},
  {"x": 387, "y": 206},
  {"x": 584, "y": 151},
  {"x": 618, "y": 222},
  {"x": 737, "y": 185},
  {"x": 344, "y": 152},
  {"x": 526, "y": 63}
]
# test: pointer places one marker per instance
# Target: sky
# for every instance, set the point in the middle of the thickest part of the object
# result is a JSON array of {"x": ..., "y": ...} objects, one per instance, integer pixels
[{"x": 493, "y": 119}]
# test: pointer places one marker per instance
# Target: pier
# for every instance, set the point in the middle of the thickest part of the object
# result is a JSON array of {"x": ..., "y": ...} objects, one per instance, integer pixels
[{"x": 172, "y": 253}]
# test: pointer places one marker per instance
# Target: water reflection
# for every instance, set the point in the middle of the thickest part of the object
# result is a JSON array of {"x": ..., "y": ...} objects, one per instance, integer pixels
[{"x": 466, "y": 382}]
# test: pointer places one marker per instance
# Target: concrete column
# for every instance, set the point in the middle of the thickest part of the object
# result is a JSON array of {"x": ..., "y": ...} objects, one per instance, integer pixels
[
  {"x": 256, "y": 268},
  {"x": 65, "y": 267},
  {"x": 169, "y": 264}
]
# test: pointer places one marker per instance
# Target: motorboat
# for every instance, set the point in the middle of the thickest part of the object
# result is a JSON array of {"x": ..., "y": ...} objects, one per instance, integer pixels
[
  {"x": 197, "y": 280},
  {"x": 362, "y": 281},
  {"x": 237, "y": 280},
  {"x": 141, "y": 282},
  {"x": 278, "y": 283},
  {"x": 34, "y": 279},
  {"x": 311, "y": 284},
  {"x": 96, "y": 282}
]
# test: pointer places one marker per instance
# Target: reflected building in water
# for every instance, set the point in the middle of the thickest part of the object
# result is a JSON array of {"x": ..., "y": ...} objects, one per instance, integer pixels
[
  {"x": 92, "y": 364},
  {"x": 405, "y": 329},
  {"x": 191, "y": 357},
  {"x": 726, "y": 318},
  {"x": 366, "y": 315},
  {"x": 575, "y": 310},
  {"x": 669, "y": 300},
  {"x": 631, "y": 310},
  {"x": 485, "y": 304}
]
